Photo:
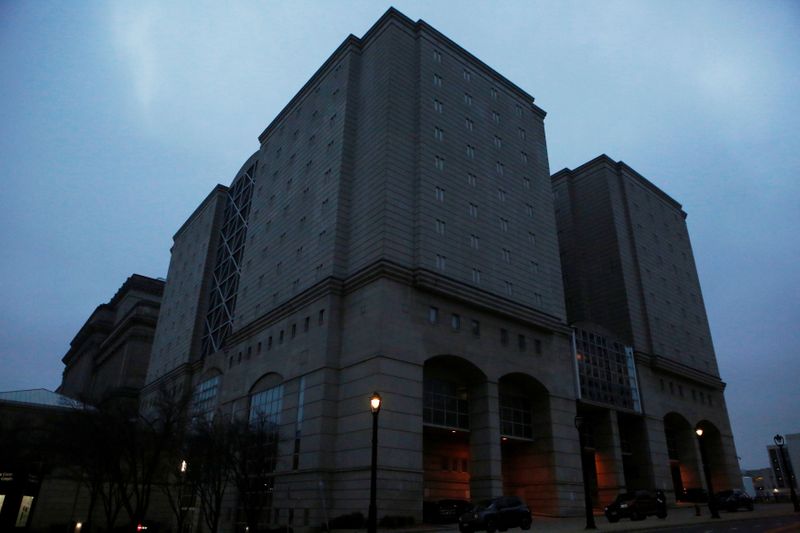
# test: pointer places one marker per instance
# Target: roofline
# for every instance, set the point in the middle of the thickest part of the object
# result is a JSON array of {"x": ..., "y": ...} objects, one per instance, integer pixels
[
  {"x": 617, "y": 166},
  {"x": 217, "y": 189},
  {"x": 392, "y": 14}
]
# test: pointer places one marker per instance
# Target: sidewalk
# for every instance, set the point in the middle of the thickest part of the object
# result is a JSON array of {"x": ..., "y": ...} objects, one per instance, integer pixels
[{"x": 677, "y": 516}]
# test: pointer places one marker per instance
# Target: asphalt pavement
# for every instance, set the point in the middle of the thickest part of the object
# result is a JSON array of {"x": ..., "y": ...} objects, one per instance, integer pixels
[{"x": 767, "y": 518}]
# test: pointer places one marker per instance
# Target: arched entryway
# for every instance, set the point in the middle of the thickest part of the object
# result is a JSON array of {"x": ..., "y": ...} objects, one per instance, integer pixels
[
  {"x": 684, "y": 461},
  {"x": 715, "y": 454},
  {"x": 527, "y": 441},
  {"x": 453, "y": 390}
]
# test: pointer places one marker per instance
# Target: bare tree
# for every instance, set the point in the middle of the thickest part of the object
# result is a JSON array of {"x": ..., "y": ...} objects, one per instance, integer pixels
[
  {"x": 254, "y": 447},
  {"x": 208, "y": 448}
]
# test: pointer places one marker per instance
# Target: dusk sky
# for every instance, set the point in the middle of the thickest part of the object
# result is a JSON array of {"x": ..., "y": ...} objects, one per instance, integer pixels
[{"x": 117, "y": 119}]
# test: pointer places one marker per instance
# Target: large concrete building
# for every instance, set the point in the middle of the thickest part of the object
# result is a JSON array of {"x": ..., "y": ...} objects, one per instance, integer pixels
[
  {"x": 395, "y": 232},
  {"x": 631, "y": 280},
  {"x": 108, "y": 357}
]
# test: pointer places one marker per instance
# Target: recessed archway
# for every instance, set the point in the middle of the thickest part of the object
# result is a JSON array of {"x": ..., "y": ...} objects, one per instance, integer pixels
[
  {"x": 684, "y": 461},
  {"x": 527, "y": 441},
  {"x": 450, "y": 384}
]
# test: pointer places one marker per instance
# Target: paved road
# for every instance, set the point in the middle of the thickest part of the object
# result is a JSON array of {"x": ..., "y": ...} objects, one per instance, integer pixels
[
  {"x": 767, "y": 518},
  {"x": 773, "y": 524}
]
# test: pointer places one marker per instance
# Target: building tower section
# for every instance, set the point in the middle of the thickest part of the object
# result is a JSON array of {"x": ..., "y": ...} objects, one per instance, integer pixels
[
  {"x": 394, "y": 231},
  {"x": 630, "y": 280}
]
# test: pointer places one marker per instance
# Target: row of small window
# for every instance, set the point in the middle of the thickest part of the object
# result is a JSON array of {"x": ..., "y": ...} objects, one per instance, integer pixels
[
  {"x": 438, "y": 81},
  {"x": 311, "y": 140},
  {"x": 702, "y": 397},
  {"x": 441, "y": 226},
  {"x": 438, "y": 134},
  {"x": 478, "y": 278},
  {"x": 292, "y": 333},
  {"x": 499, "y": 167},
  {"x": 475, "y": 329},
  {"x": 502, "y": 195}
]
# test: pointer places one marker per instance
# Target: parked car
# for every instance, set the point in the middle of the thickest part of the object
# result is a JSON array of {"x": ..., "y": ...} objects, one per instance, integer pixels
[
  {"x": 733, "y": 500},
  {"x": 496, "y": 514},
  {"x": 637, "y": 506},
  {"x": 693, "y": 495},
  {"x": 444, "y": 511}
]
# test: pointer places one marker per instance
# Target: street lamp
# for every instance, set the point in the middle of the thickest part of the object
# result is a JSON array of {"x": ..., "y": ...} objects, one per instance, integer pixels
[
  {"x": 712, "y": 502},
  {"x": 372, "y": 520},
  {"x": 788, "y": 471},
  {"x": 587, "y": 496}
]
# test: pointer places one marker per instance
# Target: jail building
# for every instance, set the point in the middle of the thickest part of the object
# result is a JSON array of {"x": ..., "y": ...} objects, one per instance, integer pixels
[{"x": 395, "y": 231}]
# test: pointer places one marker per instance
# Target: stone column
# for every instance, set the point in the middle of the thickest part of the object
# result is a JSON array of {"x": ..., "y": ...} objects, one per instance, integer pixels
[
  {"x": 608, "y": 457},
  {"x": 486, "y": 478},
  {"x": 659, "y": 470}
]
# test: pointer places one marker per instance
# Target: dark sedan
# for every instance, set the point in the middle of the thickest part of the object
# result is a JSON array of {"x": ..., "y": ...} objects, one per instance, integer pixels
[
  {"x": 637, "y": 506},
  {"x": 497, "y": 514},
  {"x": 733, "y": 500}
]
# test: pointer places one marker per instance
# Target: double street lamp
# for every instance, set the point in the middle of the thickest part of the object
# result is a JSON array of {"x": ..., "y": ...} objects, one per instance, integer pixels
[
  {"x": 712, "y": 501},
  {"x": 788, "y": 471},
  {"x": 372, "y": 519},
  {"x": 587, "y": 495}
]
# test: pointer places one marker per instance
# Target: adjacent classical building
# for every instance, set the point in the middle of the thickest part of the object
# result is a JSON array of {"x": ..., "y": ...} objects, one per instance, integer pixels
[
  {"x": 395, "y": 231},
  {"x": 631, "y": 281},
  {"x": 108, "y": 357}
]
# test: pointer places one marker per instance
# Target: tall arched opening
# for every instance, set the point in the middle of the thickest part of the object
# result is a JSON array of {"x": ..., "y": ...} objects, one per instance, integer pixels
[
  {"x": 452, "y": 394},
  {"x": 715, "y": 455},
  {"x": 527, "y": 441},
  {"x": 684, "y": 462}
]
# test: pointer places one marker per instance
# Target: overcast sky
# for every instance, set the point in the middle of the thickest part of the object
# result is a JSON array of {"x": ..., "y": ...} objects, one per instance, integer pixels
[{"x": 117, "y": 119}]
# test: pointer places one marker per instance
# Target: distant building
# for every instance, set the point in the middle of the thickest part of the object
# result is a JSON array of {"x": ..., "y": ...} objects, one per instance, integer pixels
[
  {"x": 783, "y": 467},
  {"x": 31, "y": 496},
  {"x": 109, "y": 356},
  {"x": 633, "y": 294},
  {"x": 763, "y": 481}
]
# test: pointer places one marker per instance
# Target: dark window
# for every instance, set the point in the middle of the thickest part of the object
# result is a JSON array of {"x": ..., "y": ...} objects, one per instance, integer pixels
[
  {"x": 321, "y": 318},
  {"x": 537, "y": 346},
  {"x": 294, "y": 330},
  {"x": 476, "y": 328},
  {"x": 504, "y": 337},
  {"x": 521, "y": 341},
  {"x": 306, "y": 323}
]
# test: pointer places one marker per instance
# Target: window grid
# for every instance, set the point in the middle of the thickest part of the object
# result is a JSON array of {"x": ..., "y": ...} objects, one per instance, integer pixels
[
  {"x": 445, "y": 404},
  {"x": 516, "y": 419}
]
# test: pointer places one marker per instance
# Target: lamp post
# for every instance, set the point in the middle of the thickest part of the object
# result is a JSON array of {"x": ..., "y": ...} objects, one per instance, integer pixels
[
  {"x": 712, "y": 502},
  {"x": 587, "y": 496},
  {"x": 789, "y": 471},
  {"x": 372, "y": 520}
]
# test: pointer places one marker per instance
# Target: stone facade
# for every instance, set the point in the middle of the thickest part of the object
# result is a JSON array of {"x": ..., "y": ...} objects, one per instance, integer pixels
[
  {"x": 395, "y": 232},
  {"x": 629, "y": 270},
  {"x": 398, "y": 232},
  {"x": 108, "y": 358}
]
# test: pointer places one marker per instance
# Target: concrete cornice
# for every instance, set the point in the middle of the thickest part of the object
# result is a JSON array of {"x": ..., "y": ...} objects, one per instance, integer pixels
[
  {"x": 219, "y": 188},
  {"x": 420, "y": 279},
  {"x": 662, "y": 364},
  {"x": 617, "y": 167}
]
